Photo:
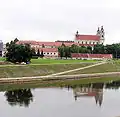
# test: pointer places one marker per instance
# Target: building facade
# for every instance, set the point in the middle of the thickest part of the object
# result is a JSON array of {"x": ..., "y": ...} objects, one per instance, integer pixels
[{"x": 91, "y": 40}]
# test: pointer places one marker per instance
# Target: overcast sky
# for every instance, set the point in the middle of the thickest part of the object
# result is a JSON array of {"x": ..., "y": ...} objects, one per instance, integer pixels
[{"x": 50, "y": 20}]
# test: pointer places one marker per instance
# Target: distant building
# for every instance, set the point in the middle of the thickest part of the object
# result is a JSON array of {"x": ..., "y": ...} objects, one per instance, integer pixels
[
  {"x": 1, "y": 48},
  {"x": 91, "y": 40},
  {"x": 50, "y": 49}
]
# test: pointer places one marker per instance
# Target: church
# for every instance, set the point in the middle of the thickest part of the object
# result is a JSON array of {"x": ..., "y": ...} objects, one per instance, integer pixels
[{"x": 91, "y": 40}]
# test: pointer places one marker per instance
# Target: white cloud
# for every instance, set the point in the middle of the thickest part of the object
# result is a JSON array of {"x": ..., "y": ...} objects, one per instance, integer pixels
[{"x": 48, "y": 20}]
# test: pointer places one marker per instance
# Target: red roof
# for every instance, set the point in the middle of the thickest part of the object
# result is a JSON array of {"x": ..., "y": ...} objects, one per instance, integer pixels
[
  {"x": 57, "y": 44},
  {"x": 49, "y": 49},
  {"x": 79, "y": 55},
  {"x": 88, "y": 37}
]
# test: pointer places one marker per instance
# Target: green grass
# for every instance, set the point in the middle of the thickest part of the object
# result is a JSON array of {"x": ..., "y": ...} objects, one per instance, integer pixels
[
  {"x": 73, "y": 83},
  {"x": 108, "y": 67},
  {"x": 55, "y": 61},
  {"x": 37, "y": 70},
  {"x": 2, "y": 59}
]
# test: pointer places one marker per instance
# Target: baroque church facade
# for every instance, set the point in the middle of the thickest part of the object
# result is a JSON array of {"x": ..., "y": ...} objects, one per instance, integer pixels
[{"x": 91, "y": 40}]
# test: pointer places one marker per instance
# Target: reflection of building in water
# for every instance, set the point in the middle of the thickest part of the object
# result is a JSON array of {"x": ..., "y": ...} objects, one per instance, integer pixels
[{"x": 89, "y": 92}]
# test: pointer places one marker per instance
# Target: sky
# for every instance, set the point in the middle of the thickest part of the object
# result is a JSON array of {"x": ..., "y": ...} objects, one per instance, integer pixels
[{"x": 50, "y": 20}]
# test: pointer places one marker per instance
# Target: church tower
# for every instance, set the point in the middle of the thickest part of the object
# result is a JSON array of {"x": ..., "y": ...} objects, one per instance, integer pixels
[{"x": 101, "y": 33}]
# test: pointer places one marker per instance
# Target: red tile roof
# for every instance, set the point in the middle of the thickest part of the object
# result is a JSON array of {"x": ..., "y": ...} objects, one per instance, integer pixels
[
  {"x": 57, "y": 44},
  {"x": 49, "y": 49},
  {"x": 88, "y": 37},
  {"x": 79, "y": 55}
]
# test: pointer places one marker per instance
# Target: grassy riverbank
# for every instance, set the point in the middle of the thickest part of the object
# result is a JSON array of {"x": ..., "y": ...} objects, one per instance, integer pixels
[
  {"x": 108, "y": 67},
  {"x": 37, "y": 70},
  {"x": 54, "y": 61},
  {"x": 72, "y": 83}
]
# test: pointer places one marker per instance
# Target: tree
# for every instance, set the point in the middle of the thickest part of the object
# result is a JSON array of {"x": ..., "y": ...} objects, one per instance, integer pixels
[
  {"x": 33, "y": 52},
  {"x": 18, "y": 53},
  {"x": 42, "y": 54},
  {"x": 83, "y": 49},
  {"x": 67, "y": 52},
  {"x": 99, "y": 49},
  {"x": 38, "y": 53},
  {"x": 16, "y": 40},
  {"x": 89, "y": 48},
  {"x": 74, "y": 49},
  {"x": 61, "y": 51}
]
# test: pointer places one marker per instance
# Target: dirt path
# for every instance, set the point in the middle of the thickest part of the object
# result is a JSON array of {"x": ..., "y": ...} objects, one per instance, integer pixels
[
  {"x": 9, "y": 65},
  {"x": 77, "y": 69}
]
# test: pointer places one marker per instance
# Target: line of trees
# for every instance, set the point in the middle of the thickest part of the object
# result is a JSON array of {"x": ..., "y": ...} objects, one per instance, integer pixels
[
  {"x": 65, "y": 51},
  {"x": 113, "y": 49},
  {"x": 38, "y": 54}
]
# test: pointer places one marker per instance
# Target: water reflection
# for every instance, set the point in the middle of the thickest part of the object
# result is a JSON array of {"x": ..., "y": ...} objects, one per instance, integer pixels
[
  {"x": 91, "y": 90},
  {"x": 21, "y": 97},
  {"x": 94, "y": 90}
]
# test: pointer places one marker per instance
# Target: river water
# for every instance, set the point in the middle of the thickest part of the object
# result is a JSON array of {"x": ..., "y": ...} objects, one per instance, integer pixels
[{"x": 91, "y": 100}]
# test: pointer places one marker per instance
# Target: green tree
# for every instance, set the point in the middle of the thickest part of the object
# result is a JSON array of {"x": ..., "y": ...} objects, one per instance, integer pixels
[
  {"x": 83, "y": 49},
  {"x": 38, "y": 53},
  {"x": 67, "y": 51},
  {"x": 99, "y": 49},
  {"x": 61, "y": 51},
  {"x": 18, "y": 53},
  {"x": 89, "y": 48},
  {"x": 42, "y": 54}
]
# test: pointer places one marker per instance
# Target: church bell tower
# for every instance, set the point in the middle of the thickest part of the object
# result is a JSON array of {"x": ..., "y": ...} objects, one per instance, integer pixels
[{"x": 101, "y": 33}]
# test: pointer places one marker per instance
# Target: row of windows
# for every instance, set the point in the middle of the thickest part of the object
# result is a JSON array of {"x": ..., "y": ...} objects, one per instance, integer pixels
[
  {"x": 50, "y": 53},
  {"x": 89, "y": 42},
  {"x": 43, "y": 46}
]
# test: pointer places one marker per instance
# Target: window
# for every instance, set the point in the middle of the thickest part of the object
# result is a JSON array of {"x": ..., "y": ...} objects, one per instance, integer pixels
[
  {"x": 47, "y": 53},
  {"x": 44, "y": 53},
  {"x": 54, "y": 53},
  {"x": 86, "y": 42},
  {"x": 51, "y": 53},
  {"x": 89, "y": 42},
  {"x": 82, "y": 42},
  {"x": 93, "y": 42}
]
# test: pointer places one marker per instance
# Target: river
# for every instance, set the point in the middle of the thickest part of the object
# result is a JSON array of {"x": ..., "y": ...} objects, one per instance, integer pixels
[{"x": 89, "y": 100}]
